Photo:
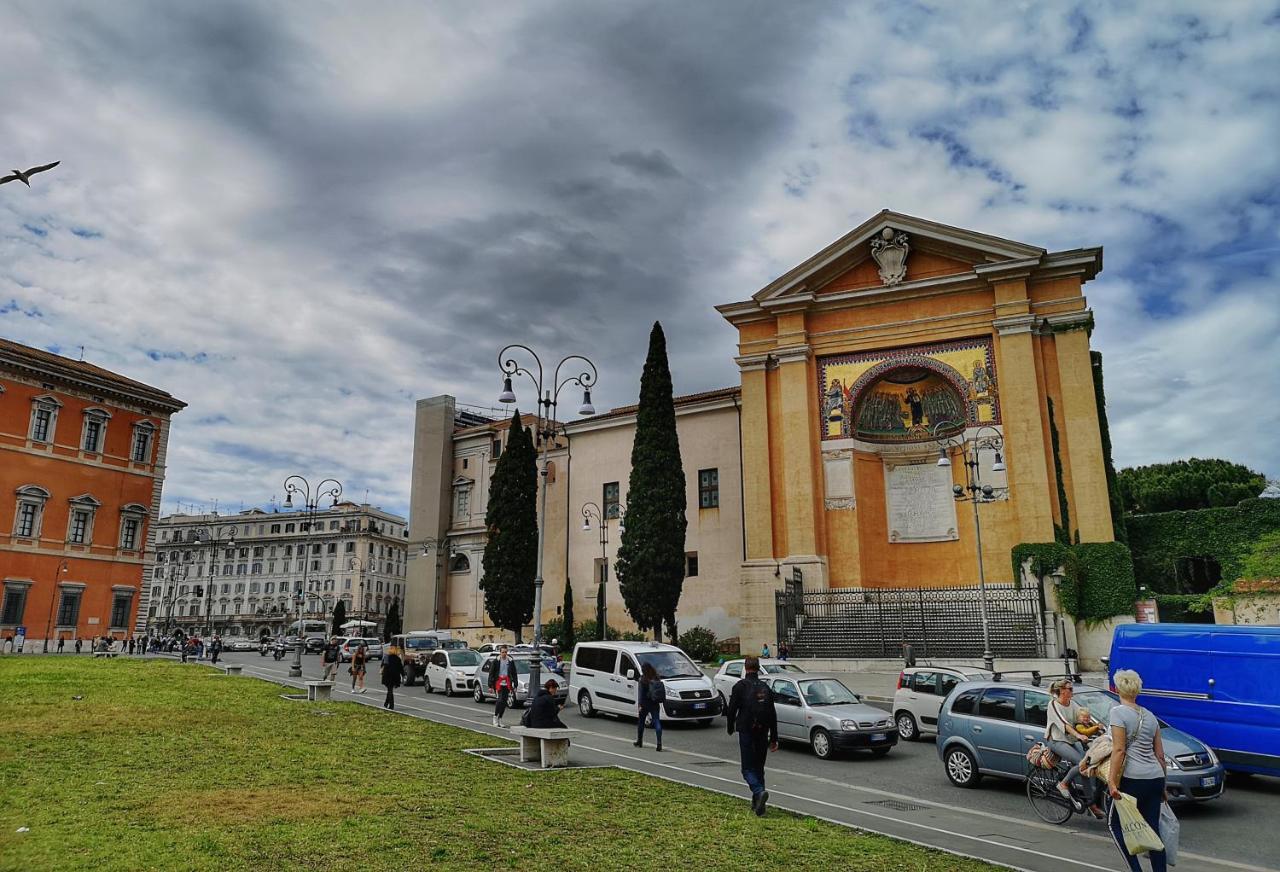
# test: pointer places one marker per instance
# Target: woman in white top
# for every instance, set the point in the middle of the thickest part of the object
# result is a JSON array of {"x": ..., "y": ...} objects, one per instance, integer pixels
[
  {"x": 1137, "y": 763},
  {"x": 1063, "y": 738}
]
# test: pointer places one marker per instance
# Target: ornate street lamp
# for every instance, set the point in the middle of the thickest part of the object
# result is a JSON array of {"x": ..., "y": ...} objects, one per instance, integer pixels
[
  {"x": 591, "y": 510},
  {"x": 53, "y": 601},
  {"x": 296, "y": 484},
  {"x": 211, "y": 536},
  {"x": 548, "y": 398},
  {"x": 443, "y": 547},
  {"x": 986, "y": 438}
]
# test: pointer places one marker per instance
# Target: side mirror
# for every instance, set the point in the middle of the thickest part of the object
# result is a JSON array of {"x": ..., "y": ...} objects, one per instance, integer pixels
[{"x": 631, "y": 675}]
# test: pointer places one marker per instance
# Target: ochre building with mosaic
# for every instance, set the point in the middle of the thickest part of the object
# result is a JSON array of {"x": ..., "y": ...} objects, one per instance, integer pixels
[{"x": 861, "y": 364}]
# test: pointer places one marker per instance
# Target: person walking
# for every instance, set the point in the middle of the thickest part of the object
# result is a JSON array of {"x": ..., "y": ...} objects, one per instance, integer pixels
[
  {"x": 330, "y": 657},
  {"x": 783, "y": 651},
  {"x": 752, "y": 716},
  {"x": 359, "y": 659},
  {"x": 503, "y": 680},
  {"x": 215, "y": 648},
  {"x": 78, "y": 644},
  {"x": 544, "y": 713},
  {"x": 1137, "y": 764},
  {"x": 62, "y": 643},
  {"x": 392, "y": 675},
  {"x": 651, "y": 693}
]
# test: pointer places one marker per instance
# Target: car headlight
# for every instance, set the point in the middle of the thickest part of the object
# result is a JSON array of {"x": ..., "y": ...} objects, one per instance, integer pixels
[
  {"x": 1170, "y": 762},
  {"x": 849, "y": 725}
]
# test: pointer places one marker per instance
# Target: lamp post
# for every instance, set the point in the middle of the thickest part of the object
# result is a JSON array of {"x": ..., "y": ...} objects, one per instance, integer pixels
[
  {"x": 296, "y": 484},
  {"x": 987, "y": 438},
  {"x": 548, "y": 398},
  {"x": 443, "y": 547},
  {"x": 212, "y": 538},
  {"x": 591, "y": 510},
  {"x": 362, "y": 566},
  {"x": 170, "y": 595},
  {"x": 53, "y": 601}
]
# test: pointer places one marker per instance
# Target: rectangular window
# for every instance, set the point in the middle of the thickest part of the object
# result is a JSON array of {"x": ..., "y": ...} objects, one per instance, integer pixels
[
  {"x": 691, "y": 565},
  {"x": 27, "y": 513},
  {"x": 141, "y": 445},
  {"x": 333, "y": 548},
  {"x": 239, "y": 588},
  {"x": 288, "y": 551},
  {"x": 226, "y": 569},
  {"x": 275, "y": 528},
  {"x": 611, "y": 499},
  {"x": 42, "y": 425},
  {"x": 269, "y": 588},
  {"x": 93, "y": 435},
  {"x": 999, "y": 703},
  {"x": 79, "y": 527},
  {"x": 271, "y": 567},
  {"x": 333, "y": 525},
  {"x": 708, "y": 488},
  {"x": 496, "y": 448},
  {"x": 15, "y": 604},
  {"x": 256, "y": 569},
  {"x": 241, "y": 568},
  {"x": 351, "y": 546},
  {"x": 129, "y": 534},
  {"x": 315, "y": 565},
  {"x": 288, "y": 528},
  {"x": 69, "y": 608},
  {"x": 315, "y": 549},
  {"x": 257, "y": 552},
  {"x": 120, "y": 607}
]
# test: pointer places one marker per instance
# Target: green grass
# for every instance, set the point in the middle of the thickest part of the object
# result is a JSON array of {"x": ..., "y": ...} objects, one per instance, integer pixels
[{"x": 164, "y": 765}]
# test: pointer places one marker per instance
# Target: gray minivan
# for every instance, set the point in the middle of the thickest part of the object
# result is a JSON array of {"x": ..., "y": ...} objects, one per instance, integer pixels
[{"x": 987, "y": 728}]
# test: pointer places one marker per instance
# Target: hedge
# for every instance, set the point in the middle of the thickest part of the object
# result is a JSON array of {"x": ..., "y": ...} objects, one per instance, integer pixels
[
  {"x": 1224, "y": 534},
  {"x": 1098, "y": 580},
  {"x": 1183, "y": 608}
]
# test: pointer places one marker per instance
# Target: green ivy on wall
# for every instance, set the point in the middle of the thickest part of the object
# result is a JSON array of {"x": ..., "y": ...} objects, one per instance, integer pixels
[
  {"x": 1097, "y": 580},
  {"x": 1113, "y": 484},
  {"x": 1061, "y": 532},
  {"x": 1224, "y": 534}
]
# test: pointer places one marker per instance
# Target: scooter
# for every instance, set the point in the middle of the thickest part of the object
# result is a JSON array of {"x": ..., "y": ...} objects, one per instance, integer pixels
[
  {"x": 278, "y": 653},
  {"x": 262, "y": 649}
]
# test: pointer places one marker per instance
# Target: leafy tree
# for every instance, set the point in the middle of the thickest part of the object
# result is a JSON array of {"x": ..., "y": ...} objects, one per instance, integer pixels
[
  {"x": 511, "y": 553},
  {"x": 339, "y": 617},
  {"x": 1187, "y": 484},
  {"x": 650, "y": 565},
  {"x": 699, "y": 643},
  {"x": 393, "y": 624},
  {"x": 566, "y": 635}
]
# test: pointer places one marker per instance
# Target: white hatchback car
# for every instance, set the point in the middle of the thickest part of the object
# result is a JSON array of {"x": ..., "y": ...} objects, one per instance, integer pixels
[
  {"x": 730, "y": 673},
  {"x": 921, "y": 690},
  {"x": 452, "y": 671}
]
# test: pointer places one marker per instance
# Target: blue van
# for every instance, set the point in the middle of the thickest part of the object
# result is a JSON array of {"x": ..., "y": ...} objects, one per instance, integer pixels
[{"x": 1219, "y": 683}]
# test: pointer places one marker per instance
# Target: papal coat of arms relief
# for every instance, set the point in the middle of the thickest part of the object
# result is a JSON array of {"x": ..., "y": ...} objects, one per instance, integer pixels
[{"x": 890, "y": 252}]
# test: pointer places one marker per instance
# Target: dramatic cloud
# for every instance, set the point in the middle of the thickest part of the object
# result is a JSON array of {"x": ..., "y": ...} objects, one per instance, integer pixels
[{"x": 300, "y": 219}]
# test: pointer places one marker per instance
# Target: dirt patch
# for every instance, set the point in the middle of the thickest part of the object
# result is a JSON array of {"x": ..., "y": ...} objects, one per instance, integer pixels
[{"x": 254, "y": 805}]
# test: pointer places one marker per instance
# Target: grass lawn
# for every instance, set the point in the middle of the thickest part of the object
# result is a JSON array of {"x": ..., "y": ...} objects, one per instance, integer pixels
[{"x": 127, "y": 764}]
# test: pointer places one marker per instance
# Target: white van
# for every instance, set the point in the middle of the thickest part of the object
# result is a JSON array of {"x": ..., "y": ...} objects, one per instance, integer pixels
[{"x": 606, "y": 675}]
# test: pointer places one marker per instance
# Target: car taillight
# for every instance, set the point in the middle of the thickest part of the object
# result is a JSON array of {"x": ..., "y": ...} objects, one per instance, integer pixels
[{"x": 902, "y": 679}]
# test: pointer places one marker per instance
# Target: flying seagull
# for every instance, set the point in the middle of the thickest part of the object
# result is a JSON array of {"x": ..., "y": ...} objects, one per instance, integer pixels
[{"x": 20, "y": 176}]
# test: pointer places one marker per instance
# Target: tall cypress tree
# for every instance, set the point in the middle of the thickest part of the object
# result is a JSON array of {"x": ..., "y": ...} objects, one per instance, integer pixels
[
  {"x": 567, "y": 637},
  {"x": 600, "y": 610},
  {"x": 511, "y": 553},
  {"x": 392, "y": 625},
  {"x": 339, "y": 617},
  {"x": 650, "y": 565}
]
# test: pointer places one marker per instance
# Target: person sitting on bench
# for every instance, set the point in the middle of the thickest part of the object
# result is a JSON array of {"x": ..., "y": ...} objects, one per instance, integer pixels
[{"x": 544, "y": 713}]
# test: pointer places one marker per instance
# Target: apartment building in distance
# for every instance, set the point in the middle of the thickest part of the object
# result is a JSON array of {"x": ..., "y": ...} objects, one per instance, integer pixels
[
  {"x": 238, "y": 575},
  {"x": 82, "y": 464}
]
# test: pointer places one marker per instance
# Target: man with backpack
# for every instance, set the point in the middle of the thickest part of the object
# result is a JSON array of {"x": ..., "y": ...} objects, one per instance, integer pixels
[{"x": 752, "y": 716}]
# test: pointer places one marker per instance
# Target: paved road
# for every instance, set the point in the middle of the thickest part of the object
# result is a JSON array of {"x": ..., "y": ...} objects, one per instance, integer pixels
[{"x": 905, "y": 794}]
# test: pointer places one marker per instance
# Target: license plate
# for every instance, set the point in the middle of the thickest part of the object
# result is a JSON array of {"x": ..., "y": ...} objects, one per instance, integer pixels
[
  {"x": 1210, "y": 781},
  {"x": 879, "y": 737},
  {"x": 699, "y": 705}
]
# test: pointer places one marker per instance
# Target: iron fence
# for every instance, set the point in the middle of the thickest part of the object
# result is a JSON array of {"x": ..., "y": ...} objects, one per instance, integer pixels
[{"x": 936, "y": 622}]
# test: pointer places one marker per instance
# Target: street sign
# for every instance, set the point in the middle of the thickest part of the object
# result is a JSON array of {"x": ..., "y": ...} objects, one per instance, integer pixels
[{"x": 797, "y": 575}]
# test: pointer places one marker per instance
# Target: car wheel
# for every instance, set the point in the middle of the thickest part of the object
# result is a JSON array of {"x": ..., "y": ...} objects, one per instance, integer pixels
[
  {"x": 962, "y": 769},
  {"x": 821, "y": 742},
  {"x": 880, "y": 752},
  {"x": 408, "y": 677},
  {"x": 478, "y": 695},
  {"x": 585, "y": 708},
  {"x": 908, "y": 729},
  {"x": 448, "y": 688},
  {"x": 426, "y": 683},
  {"x": 724, "y": 704}
]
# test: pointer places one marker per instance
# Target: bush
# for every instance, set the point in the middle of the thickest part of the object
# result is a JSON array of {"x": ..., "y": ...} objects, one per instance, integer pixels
[
  {"x": 699, "y": 643},
  {"x": 589, "y": 631},
  {"x": 1098, "y": 581},
  {"x": 633, "y": 636}
]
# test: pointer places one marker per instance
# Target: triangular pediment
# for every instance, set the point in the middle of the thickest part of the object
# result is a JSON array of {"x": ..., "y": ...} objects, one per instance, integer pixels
[
  {"x": 935, "y": 251},
  {"x": 463, "y": 481}
]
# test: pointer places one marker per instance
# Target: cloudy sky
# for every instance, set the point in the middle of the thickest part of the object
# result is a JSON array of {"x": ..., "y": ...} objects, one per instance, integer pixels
[{"x": 301, "y": 217}]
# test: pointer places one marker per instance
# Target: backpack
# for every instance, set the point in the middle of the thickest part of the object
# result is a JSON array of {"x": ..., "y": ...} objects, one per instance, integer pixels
[
  {"x": 757, "y": 704},
  {"x": 657, "y": 692}
]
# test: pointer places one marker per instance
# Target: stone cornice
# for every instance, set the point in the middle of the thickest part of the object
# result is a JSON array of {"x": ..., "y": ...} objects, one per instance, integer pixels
[
  {"x": 793, "y": 354},
  {"x": 1065, "y": 321},
  {"x": 752, "y": 362},
  {"x": 1009, "y": 270},
  {"x": 1014, "y": 324}
]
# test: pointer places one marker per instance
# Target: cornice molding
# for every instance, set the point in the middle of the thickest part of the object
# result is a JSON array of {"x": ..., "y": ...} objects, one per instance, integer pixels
[
  {"x": 793, "y": 354},
  {"x": 1015, "y": 324}
]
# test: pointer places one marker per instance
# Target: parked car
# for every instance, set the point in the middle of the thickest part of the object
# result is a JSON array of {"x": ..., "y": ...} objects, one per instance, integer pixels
[
  {"x": 481, "y": 692},
  {"x": 452, "y": 671},
  {"x": 605, "y": 674},
  {"x": 1216, "y": 681},
  {"x": 416, "y": 648},
  {"x": 921, "y": 690},
  {"x": 240, "y": 643},
  {"x": 731, "y": 672},
  {"x": 373, "y": 647},
  {"x": 821, "y": 712},
  {"x": 987, "y": 727}
]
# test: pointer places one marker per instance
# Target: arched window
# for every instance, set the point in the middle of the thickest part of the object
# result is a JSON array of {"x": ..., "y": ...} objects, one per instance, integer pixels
[{"x": 460, "y": 563}]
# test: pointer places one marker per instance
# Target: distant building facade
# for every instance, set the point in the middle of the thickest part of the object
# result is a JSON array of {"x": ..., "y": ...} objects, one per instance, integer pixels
[
  {"x": 82, "y": 464},
  {"x": 355, "y": 554}
]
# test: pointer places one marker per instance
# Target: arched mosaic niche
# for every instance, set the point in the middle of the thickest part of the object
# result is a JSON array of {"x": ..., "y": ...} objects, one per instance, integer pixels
[{"x": 910, "y": 394}]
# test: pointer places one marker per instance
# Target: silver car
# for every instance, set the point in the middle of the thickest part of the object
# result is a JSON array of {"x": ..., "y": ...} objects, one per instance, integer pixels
[
  {"x": 731, "y": 672},
  {"x": 821, "y": 712},
  {"x": 481, "y": 692}
]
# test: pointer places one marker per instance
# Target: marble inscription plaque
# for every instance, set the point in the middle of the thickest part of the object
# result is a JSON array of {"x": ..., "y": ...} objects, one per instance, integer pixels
[{"x": 919, "y": 502}]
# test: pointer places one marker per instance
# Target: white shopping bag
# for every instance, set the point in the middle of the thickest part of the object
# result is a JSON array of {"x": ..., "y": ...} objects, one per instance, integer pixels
[{"x": 1169, "y": 827}]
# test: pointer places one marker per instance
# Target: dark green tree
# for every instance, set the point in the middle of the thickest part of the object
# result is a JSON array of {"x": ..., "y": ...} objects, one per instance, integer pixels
[
  {"x": 1187, "y": 484},
  {"x": 1113, "y": 484},
  {"x": 511, "y": 553},
  {"x": 339, "y": 617},
  {"x": 393, "y": 624},
  {"x": 650, "y": 565},
  {"x": 566, "y": 637},
  {"x": 600, "y": 609}
]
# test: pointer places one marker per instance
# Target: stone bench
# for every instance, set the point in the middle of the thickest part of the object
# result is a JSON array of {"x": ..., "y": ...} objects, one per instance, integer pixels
[
  {"x": 549, "y": 746},
  {"x": 106, "y": 653},
  {"x": 319, "y": 691},
  {"x": 233, "y": 670}
]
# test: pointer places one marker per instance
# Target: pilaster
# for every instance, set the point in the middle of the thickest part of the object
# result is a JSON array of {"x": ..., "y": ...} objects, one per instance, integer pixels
[
  {"x": 797, "y": 448},
  {"x": 757, "y": 494},
  {"x": 1029, "y": 481}
]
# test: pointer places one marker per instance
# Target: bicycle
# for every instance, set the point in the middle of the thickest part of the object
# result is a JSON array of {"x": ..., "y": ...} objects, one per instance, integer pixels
[{"x": 1048, "y": 803}]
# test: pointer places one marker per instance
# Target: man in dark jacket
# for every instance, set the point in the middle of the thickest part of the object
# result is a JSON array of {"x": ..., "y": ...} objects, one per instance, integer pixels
[
  {"x": 332, "y": 654},
  {"x": 752, "y": 716},
  {"x": 545, "y": 712},
  {"x": 503, "y": 681}
]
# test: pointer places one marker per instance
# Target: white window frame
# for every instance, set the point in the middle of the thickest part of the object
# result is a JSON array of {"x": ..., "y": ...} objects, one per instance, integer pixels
[
  {"x": 136, "y": 513},
  {"x": 148, "y": 429},
  {"x": 51, "y": 404},
  {"x": 32, "y": 495},
  {"x": 64, "y": 588},
  {"x": 83, "y": 503},
  {"x": 100, "y": 416}
]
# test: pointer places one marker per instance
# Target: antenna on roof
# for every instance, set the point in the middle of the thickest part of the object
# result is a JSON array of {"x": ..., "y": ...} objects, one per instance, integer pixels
[
  {"x": 366, "y": 495},
  {"x": 81, "y": 353}
]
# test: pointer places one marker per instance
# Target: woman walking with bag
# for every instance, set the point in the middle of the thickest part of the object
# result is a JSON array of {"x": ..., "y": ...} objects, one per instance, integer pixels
[
  {"x": 650, "y": 695},
  {"x": 359, "y": 665},
  {"x": 392, "y": 673},
  {"x": 1137, "y": 765}
]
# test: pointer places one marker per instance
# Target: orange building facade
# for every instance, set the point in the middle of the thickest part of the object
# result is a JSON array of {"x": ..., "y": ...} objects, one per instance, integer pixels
[
  {"x": 82, "y": 462},
  {"x": 900, "y": 343}
]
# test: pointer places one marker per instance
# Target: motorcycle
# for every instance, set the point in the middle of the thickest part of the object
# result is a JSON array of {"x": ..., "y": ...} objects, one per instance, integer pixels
[
  {"x": 262, "y": 649},
  {"x": 278, "y": 652}
]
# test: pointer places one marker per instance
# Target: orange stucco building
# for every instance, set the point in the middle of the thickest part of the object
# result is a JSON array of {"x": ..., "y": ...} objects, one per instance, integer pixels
[
  {"x": 901, "y": 342},
  {"x": 82, "y": 461}
]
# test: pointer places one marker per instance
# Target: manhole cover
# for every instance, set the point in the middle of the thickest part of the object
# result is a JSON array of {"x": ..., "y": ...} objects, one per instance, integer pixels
[{"x": 897, "y": 804}]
